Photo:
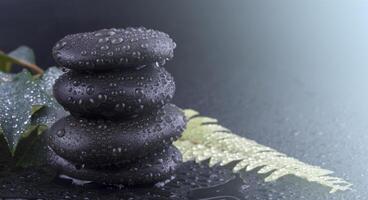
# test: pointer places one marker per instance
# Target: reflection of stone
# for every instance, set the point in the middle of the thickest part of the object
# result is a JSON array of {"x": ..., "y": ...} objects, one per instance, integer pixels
[
  {"x": 153, "y": 168},
  {"x": 192, "y": 182},
  {"x": 41, "y": 183},
  {"x": 122, "y": 125}
]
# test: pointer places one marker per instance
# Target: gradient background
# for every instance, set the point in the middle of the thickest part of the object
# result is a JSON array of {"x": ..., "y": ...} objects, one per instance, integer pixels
[{"x": 289, "y": 74}]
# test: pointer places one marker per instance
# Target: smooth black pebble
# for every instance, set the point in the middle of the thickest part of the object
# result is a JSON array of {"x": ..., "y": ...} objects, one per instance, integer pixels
[
  {"x": 108, "y": 49},
  {"x": 122, "y": 93},
  {"x": 154, "y": 168},
  {"x": 101, "y": 143}
]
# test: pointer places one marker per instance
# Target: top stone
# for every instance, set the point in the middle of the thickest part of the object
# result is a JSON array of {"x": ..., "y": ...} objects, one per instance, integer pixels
[{"x": 108, "y": 49}]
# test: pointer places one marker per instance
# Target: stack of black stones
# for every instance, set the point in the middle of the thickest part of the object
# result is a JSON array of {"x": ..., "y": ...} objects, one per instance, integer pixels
[{"x": 121, "y": 126}]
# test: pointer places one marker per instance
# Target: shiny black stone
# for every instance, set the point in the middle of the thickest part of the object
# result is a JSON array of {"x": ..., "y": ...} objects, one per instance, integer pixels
[
  {"x": 122, "y": 93},
  {"x": 101, "y": 143},
  {"x": 149, "y": 170},
  {"x": 108, "y": 49}
]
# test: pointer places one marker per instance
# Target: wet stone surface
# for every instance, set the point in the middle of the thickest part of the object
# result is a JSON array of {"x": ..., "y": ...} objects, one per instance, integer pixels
[
  {"x": 151, "y": 169},
  {"x": 121, "y": 126},
  {"x": 192, "y": 182},
  {"x": 103, "y": 142},
  {"x": 121, "y": 93},
  {"x": 113, "y": 49}
]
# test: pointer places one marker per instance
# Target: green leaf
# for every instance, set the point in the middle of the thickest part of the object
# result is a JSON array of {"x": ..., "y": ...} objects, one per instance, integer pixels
[
  {"x": 5, "y": 155},
  {"x": 23, "y": 56},
  {"x": 204, "y": 139},
  {"x": 26, "y": 107},
  {"x": 31, "y": 150}
]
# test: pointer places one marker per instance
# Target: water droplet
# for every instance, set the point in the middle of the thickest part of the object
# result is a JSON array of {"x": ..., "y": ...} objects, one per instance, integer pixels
[
  {"x": 90, "y": 90},
  {"x": 139, "y": 91},
  {"x": 117, "y": 40},
  {"x": 98, "y": 34},
  {"x": 104, "y": 47},
  {"x": 112, "y": 84},
  {"x": 102, "y": 97},
  {"x": 92, "y": 101},
  {"x": 110, "y": 33},
  {"x": 60, "y": 133},
  {"x": 110, "y": 53},
  {"x": 70, "y": 99},
  {"x": 76, "y": 83}
]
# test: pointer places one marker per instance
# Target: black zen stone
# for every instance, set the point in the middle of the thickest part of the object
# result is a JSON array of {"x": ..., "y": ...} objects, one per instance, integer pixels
[
  {"x": 121, "y": 93},
  {"x": 98, "y": 143},
  {"x": 158, "y": 166},
  {"x": 121, "y": 126},
  {"x": 113, "y": 49}
]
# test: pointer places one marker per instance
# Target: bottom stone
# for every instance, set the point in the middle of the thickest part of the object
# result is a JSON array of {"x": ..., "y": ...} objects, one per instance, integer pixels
[{"x": 149, "y": 170}]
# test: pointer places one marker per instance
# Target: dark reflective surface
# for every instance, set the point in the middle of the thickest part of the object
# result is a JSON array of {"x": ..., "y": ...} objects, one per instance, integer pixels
[
  {"x": 290, "y": 75},
  {"x": 192, "y": 181}
]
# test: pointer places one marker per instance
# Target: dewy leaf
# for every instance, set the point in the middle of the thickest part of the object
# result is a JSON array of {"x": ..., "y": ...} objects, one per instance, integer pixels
[
  {"x": 204, "y": 139},
  {"x": 23, "y": 56},
  {"x": 31, "y": 150},
  {"x": 26, "y": 107},
  {"x": 5, "y": 77},
  {"x": 48, "y": 79}
]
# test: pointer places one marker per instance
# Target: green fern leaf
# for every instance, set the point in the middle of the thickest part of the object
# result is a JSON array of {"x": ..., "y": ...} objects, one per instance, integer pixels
[{"x": 204, "y": 139}]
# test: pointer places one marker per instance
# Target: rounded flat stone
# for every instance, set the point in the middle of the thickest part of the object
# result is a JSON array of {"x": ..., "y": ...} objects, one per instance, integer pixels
[
  {"x": 98, "y": 143},
  {"x": 113, "y": 49},
  {"x": 149, "y": 170},
  {"x": 122, "y": 93}
]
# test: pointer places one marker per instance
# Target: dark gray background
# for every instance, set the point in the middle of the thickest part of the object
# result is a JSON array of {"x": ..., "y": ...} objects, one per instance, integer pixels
[{"x": 288, "y": 74}]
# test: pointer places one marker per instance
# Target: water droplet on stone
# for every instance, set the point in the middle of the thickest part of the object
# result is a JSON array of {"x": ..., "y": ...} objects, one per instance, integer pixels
[
  {"x": 104, "y": 47},
  {"x": 60, "y": 133},
  {"x": 110, "y": 53},
  {"x": 90, "y": 90},
  {"x": 117, "y": 40}
]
